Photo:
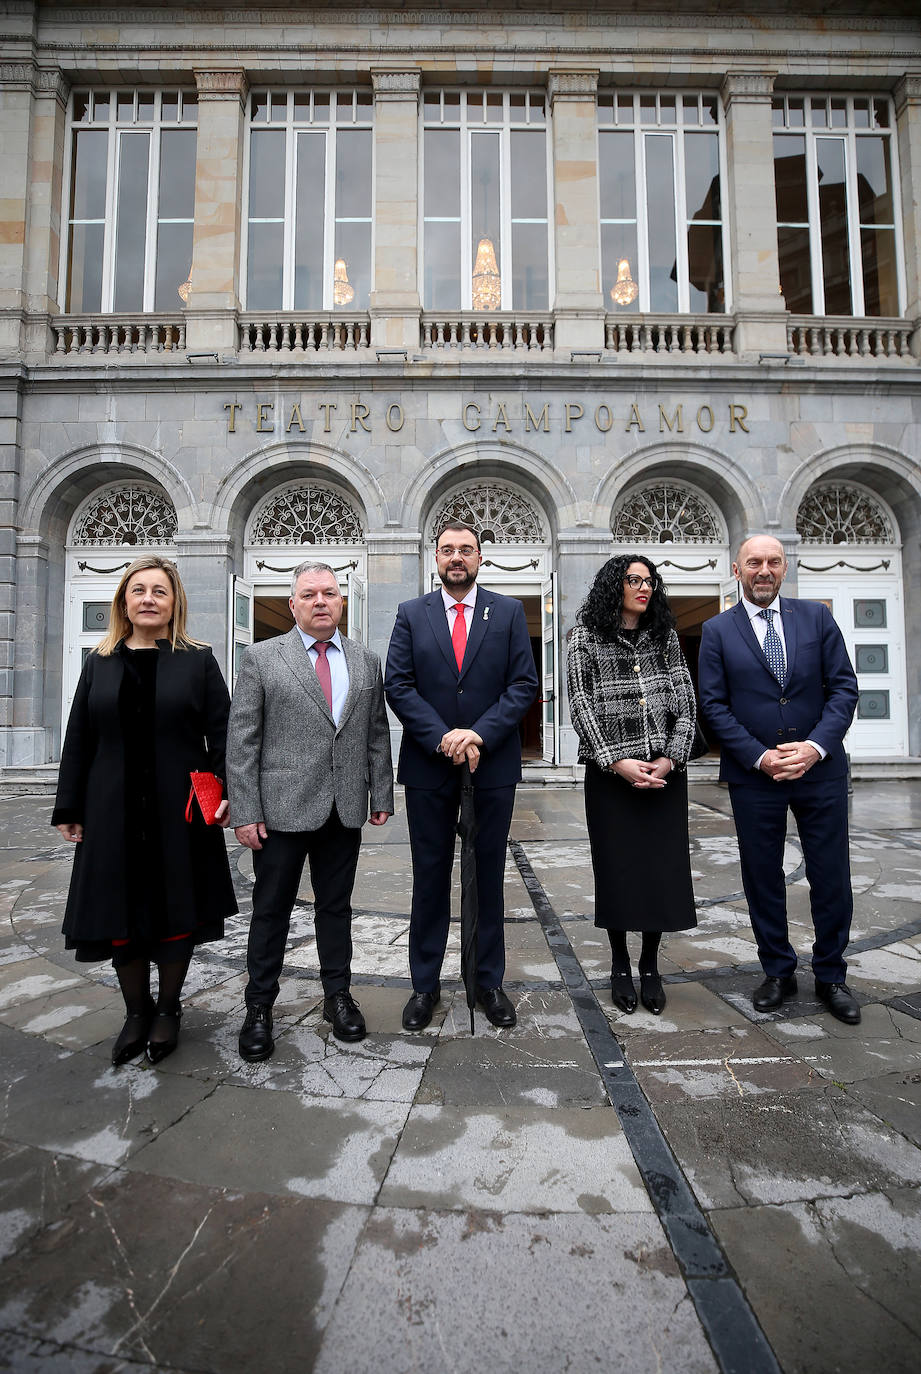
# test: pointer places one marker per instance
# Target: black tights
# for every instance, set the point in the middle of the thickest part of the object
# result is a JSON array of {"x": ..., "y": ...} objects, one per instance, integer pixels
[
  {"x": 620, "y": 957},
  {"x": 134, "y": 981}
]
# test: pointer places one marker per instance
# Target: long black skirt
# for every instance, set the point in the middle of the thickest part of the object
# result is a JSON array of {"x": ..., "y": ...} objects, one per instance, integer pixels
[{"x": 640, "y": 855}]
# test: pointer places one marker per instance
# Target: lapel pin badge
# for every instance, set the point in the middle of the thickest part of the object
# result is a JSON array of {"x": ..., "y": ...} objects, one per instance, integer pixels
[{"x": 485, "y": 612}]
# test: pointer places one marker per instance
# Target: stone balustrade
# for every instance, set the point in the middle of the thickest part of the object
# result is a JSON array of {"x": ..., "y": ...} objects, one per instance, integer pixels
[
  {"x": 298, "y": 335},
  {"x": 816, "y": 336},
  {"x": 88, "y": 335},
  {"x": 682, "y": 334},
  {"x": 502, "y": 331}
]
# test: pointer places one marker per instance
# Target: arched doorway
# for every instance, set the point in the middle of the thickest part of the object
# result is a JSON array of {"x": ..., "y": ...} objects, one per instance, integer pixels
[{"x": 850, "y": 558}]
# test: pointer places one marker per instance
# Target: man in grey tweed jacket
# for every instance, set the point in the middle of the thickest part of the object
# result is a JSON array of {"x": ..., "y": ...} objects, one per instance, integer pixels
[{"x": 307, "y": 742}]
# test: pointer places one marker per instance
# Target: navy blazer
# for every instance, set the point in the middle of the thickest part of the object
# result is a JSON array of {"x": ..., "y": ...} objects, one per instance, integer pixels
[
  {"x": 747, "y": 709},
  {"x": 491, "y": 695}
]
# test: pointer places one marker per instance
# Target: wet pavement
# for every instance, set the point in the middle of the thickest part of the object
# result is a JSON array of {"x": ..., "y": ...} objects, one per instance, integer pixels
[{"x": 711, "y": 1189}]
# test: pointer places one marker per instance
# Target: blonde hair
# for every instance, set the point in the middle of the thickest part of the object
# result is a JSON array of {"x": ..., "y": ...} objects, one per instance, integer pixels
[{"x": 120, "y": 626}]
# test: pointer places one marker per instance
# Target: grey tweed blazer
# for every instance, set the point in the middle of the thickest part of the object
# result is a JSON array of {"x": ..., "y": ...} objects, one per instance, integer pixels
[{"x": 287, "y": 762}]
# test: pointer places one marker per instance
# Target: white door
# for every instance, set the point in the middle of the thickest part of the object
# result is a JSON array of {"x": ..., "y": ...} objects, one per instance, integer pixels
[
  {"x": 357, "y": 593},
  {"x": 88, "y": 606},
  {"x": 549, "y": 671},
  {"x": 729, "y": 593},
  {"x": 239, "y": 623}
]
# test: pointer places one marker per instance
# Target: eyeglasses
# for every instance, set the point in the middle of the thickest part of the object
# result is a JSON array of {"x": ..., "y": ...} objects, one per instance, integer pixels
[
  {"x": 465, "y": 551},
  {"x": 635, "y": 582}
]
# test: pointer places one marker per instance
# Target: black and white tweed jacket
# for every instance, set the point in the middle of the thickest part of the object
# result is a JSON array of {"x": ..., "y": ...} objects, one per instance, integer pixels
[{"x": 628, "y": 699}]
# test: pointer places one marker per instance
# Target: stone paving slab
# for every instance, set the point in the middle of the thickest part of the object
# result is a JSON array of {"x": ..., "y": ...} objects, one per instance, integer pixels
[
  {"x": 737, "y": 1062},
  {"x": 35, "y": 1187},
  {"x": 520, "y": 1071}
]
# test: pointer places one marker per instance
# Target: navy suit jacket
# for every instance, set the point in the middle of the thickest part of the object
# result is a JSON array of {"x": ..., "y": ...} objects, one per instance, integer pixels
[
  {"x": 429, "y": 696},
  {"x": 747, "y": 709}
]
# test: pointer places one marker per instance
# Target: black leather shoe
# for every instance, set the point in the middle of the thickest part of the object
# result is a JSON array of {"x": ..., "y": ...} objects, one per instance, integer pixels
[
  {"x": 499, "y": 1010},
  {"x": 133, "y": 1035},
  {"x": 652, "y": 993},
  {"x": 159, "y": 1045},
  {"x": 623, "y": 993},
  {"x": 256, "y": 1033},
  {"x": 419, "y": 1009},
  {"x": 840, "y": 1001},
  {"x": 773, "y": 992},
  {"x": 341, "y": 1010}
]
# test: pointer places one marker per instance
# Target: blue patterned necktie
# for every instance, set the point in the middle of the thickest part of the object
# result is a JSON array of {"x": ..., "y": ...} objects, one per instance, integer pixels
[{"x": 773, "y": 648}]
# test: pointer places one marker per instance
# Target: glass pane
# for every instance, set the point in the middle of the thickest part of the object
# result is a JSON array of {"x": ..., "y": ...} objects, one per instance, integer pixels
[
  {"x": 494, "y": 108},
  {"x": 660, "y": 210},
  {"x": 145, "y": 107},
  {"x": 667, "y": 109},
  {"x": 881, "y": 114},
  {"x": 874, "y": 181},
  {"x": 790, "y": 178},
  {"x": 81, "y": 106},
  {"x": 321, "y": 107},
  {"x": 705, "y": 268},
  {"x": 442, "y": 266},
  {"x": 124, "y": 107},
  {"x": 617, "y": 175},
  {"x": 344, "y": 107},
  {"x": 529, "y": 175},
  {"x": 84, "y": 269},
  {"x": 309, "y": 203},
  {"x": 169, "y": 108},
  {"x": 833, "y": 222},
  {"x": 279, "y": 107},
  {"x": 648, "y": 109},
  {"x": 625, "y": 109},
  {"x": 241, "y": 611},
  {"x": 708, "y": 104},
  {"x": 302, "y": 107},
  {"x": 618, "y": 243},
  {"x": 95, "y": 616},
  {"x": 177, "y": 173},
  {"x": 442, "y": 172},
  {"x": 101, "y": 106},
  {"x": 869, "y": 615},
  {"x": 484, "y": 187},
  {"x": 267, "y": 175},
  {"x": 862, "y": 114},
  {"x": 264, "y": 267},
  {"x": 839, "y": 114},
  {"x": 872, "y": 705},
  {"x": 795, "y": 269},
  {"x": 431, "y": 105},
  {"x": 88, "y": 178},
  {"x": 131, "y": 221},
  {"x": 530, "y": 282},
  {"x": 819, "y": 114},
  {"x": 871, "y": 658},
  {"x": 353, "y": 174},
  {"x": 174, "y": 263},
  {"x": 880, "y": 278},
  {"x": 190, "y": 107},
  {"x": 702, "y": 176},
  {"x": 691, "y": 112},
  {"x": 353, "y": 243},
  {"x": 795, "y": 116},
  {"x": 259, "y": 107}
]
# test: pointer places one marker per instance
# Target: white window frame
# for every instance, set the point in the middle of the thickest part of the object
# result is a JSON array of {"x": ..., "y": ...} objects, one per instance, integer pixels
[
  {"x": 116, "y": 129},
  {"x": 467, "y": 126},
  {"x": 295, "y": 126},
  {"x": 849, "y": 135},
  {"x": 641, "y": 126}
]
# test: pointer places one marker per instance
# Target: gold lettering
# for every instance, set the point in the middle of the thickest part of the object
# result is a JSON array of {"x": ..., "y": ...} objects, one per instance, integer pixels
[
  {"x": 739, "y": 419},
  {"x": 261, "y": 415},
  {"x": 395, "y": 428},
  {"x": 635, "y": 419},
  {"x": 573, "y": 412},
  {"x": 542, "y": 421},
  {"x": 233, "y": 407},
  {"x": 604, "y": 425},
  {"x": 501, "y": 418},
  {"x": 676, "y": 422},
  {"x": 360, "y": 413},
  {"x": 327, "y": 406},
  {"x": 700, "y": 424},
  {"x": 295, "y": 418},
  {"x": 471, "y": 405}
]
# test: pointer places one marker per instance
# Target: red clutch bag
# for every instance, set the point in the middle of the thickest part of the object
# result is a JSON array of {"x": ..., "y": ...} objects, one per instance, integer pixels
[{"x": 208, "y": 791}]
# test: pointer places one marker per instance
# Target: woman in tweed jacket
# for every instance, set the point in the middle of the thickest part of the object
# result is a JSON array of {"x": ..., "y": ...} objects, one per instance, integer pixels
[{"x": 632, "y": 705}]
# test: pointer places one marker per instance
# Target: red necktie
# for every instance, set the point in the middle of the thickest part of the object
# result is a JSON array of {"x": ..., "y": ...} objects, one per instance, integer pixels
[
  {"x": 323, "y": 673},
  {"x": 459, "y": 633}
]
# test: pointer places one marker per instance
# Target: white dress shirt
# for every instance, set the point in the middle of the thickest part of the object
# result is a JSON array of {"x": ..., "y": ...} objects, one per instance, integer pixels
[
  {"x": 338, "y": 668},
  {"x": 468, "y": 602}
]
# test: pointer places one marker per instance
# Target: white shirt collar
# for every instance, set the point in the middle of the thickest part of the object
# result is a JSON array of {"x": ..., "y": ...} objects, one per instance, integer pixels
[
  {"x": 754, "y": 610},
  {"x": 468, "y": 600},
  {"x": 310, "y": 640}
]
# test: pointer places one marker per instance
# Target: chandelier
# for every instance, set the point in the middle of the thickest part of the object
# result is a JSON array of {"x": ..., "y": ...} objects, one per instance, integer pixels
[
  {"x": 184, "y": 290},
  {"x": 625, "y": 290},
  {"x": 487, "y": 284},
  {"x": 343, "y": 290}
]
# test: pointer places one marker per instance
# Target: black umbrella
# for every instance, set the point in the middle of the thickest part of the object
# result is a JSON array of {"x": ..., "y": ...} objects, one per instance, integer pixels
[{"x": 470, "y": 906}]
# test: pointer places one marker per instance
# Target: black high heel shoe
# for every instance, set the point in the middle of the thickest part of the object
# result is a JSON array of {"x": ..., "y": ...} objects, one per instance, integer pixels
[
  {"x": 623, "y": 993},
  {"x": 652, "y": 993},
  {"x": 159, "y": 1048},
  {"x": 133, "y": 1035}
]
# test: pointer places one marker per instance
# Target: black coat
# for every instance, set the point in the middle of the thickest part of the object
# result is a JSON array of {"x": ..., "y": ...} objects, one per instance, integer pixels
[{"x": 188, "y": 732}]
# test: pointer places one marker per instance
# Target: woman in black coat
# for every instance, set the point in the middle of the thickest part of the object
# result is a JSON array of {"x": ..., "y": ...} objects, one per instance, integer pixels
[{"x": 147, "y": 886}]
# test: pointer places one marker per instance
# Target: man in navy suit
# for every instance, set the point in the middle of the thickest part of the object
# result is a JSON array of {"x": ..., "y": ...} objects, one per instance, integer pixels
[
  {"x": 779, "y": 692},
  {"x": 460, "y": 676}
]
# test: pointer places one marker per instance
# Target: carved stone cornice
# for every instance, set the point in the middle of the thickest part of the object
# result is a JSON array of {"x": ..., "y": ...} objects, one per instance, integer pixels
[
  {"x": 572, "y": 85},
  {"x": 39, "y": 81},
  {"x": 17, "y": 76},
  {"x": 222, "y": 85},
  {"x": 907, "y": 91},
  {"x": 747, "y": 88},
  {"x": 51, "y": 83},
  {"x": 392, "y": 84}
]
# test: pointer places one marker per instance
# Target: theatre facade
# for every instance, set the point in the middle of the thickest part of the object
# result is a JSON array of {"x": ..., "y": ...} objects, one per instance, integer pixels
[{"x": 295, "y": 282}]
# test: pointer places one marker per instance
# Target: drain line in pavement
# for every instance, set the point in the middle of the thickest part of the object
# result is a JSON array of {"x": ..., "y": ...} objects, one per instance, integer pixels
[{"x": 735, "y": 1336}]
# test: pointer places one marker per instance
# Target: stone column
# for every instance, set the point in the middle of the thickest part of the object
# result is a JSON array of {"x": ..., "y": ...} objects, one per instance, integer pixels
[
  {"x": 32, "y": 733},
  {"x": 752, "y": 212},
  {"x": 578, "y": 302},
  {"x": 908, "y": 124},
  {"x": 205, "y": 562},
  {"x": 215, "y": 295},
  {"x": 16, "y": 97},
  {"x": 395, "y": 300},
  {"x": 44, "y": 294},
  {"x": 10, "y": 422},
  {"x": 394, "y": 561},
  {"x": 579, "y": 555}
]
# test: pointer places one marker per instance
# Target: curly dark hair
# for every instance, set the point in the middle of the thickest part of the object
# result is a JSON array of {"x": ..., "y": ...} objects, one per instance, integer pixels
[{"x": 601, "y": 610}]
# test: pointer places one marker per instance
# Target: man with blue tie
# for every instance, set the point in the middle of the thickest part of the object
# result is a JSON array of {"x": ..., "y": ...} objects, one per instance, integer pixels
[
  {"x": 460, "y": 676},
  {"x": 778, "y": 690}
]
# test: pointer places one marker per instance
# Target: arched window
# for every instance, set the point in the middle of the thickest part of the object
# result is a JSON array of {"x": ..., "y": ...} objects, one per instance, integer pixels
[
  {"x": 126, "y": 516},
  {"x": 305, "y": 513},
  {"x": 498, "y": 513},
  {"x": 665, "y": 512},
  {"x": 842, "y": 513}
]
